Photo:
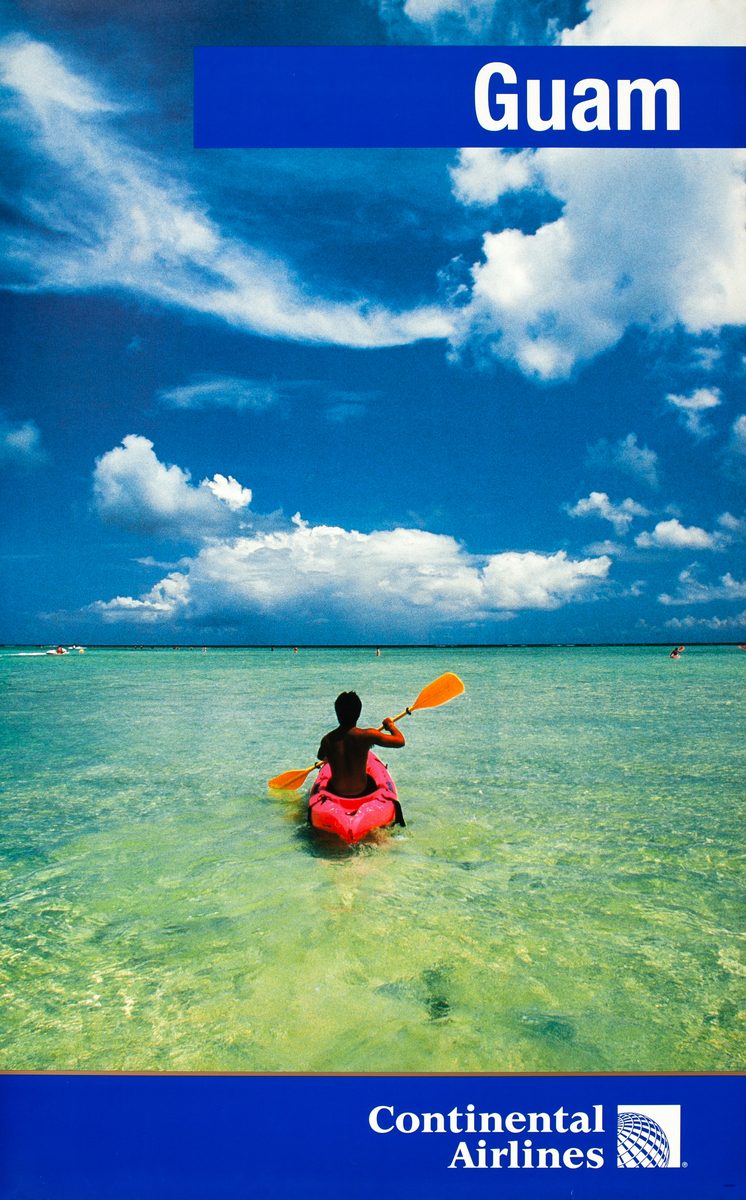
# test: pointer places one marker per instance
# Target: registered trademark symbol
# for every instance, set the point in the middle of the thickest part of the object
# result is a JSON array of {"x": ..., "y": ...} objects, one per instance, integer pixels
[{"x": 685, "y": 1164}]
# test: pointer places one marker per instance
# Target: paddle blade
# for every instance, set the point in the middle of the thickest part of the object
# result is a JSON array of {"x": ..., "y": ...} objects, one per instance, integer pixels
[
  {"x": 290, "y": 781},
  {"x": 442, "y": 689}
]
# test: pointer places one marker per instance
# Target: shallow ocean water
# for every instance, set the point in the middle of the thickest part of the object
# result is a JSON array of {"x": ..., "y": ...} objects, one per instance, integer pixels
[{"x": 567, "y": 895}]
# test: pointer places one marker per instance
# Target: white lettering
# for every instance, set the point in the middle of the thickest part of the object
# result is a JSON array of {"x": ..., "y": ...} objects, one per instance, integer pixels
[
  {"x": 462, "y": 1155},
  {"x": 580, "y": 1123},
  {"x": 647, "y": 90},
  {"x": 573, "y": 1158},
  {"x": 533, "y": 105},
  {"x": 515, "y": 1122},
  {"x": 559, "y": 1118},
  {"x": 481, "y": 1154},
  {"x": 595, "y": 1158},
  {"x": 427, "y": 1123},
  {"x": 407, "y": 1118},
  {"x": 599, "y": 102},
  {"x": 453, "y": 1116},
  {"x": 497, "y": 1155},
  {"x": 509, "y": 100},
  {"x": 599, "y": 1126},
  {"x": 546, "y": 1123},
  {"x": 497, "y": 1123},
  {"x": 373, "y": 1119},
  {"x": 543, "y": 1152}
]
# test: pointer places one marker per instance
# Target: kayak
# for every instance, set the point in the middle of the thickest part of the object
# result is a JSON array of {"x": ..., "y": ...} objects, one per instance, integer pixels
[{"x": 351, "y": 817}]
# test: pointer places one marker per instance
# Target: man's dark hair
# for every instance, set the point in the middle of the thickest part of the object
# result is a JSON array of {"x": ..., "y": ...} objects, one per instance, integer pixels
[{"x": 348, "y": 706}]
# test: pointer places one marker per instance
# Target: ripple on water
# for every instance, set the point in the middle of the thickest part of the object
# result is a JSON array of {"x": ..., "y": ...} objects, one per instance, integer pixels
[{"x": 566, "y": 895}]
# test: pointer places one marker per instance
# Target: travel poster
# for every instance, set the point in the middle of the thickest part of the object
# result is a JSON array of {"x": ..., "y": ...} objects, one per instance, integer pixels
[{"x": 281, "y": 424}]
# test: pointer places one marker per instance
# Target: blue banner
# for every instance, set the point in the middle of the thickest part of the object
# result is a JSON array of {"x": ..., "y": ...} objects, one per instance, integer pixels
[
  {"x": 368, "y": 96},
  {"x": 165, "y": 1137}
]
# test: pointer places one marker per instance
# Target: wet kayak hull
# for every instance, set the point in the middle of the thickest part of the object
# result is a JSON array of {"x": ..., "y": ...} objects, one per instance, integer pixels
[{"x": 352, "y": 817}]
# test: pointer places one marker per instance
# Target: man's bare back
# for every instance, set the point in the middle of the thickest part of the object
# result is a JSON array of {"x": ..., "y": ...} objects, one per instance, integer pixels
[{"x": 346, "y": 751}]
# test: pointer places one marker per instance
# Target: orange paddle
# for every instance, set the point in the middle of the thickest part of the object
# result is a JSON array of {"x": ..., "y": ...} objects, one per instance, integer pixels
[{"x": 444, "y": 688}]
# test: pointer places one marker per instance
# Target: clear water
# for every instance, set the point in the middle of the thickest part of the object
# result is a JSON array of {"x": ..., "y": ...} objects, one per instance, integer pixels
[{"x": 567, "y": 894}]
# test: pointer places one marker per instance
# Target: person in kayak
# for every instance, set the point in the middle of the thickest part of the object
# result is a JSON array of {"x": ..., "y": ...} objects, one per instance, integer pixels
[{"x": 346, "y": 748}]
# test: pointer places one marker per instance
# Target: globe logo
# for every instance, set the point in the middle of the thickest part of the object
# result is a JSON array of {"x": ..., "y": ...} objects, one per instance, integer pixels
[{"x": 640, "y": 1141}]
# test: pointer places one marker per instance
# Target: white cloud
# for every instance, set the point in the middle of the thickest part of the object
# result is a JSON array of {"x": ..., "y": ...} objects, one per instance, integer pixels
[
  {"x": 691, "y": 591},
  {"x": 221, "y": 391},
  {"x": 474, "y": 16},
  {"x": 408, "y": 578},
  {"x": 738, "y": 436},
  {"x": 660, "y": 23},
  {"x": 609, "y": 23},
  {"x": 716, "y": 623},
  {"x": 673, "y": 535},
  {"x": 626, "y": 456},
  {"x": 618, "y": 549},
  {"x": 163, "y": 602},
  {"x": 132, "y": 488},
  {"x": 690, "y": 409},
  {"x": 229, "y": 490},
  {"x": 599, "y": 505},
  {"x": 736, "y": 526},
  {"x": 20, "y": 443},
  {"x": 110, "y": 218},
  {"x": 646, "y": 237}
]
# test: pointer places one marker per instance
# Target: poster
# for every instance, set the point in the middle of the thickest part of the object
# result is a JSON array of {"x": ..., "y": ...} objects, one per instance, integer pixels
[{"x": 281, "y": 422}]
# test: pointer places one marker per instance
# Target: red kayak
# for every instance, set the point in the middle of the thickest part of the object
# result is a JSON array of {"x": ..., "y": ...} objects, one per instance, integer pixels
[{"x": 351, "y": 817}]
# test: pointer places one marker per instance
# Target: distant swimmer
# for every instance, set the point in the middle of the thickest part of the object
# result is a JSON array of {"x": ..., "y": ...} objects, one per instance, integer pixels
[
  {"x": 378, "y": 652},
  {"x": 295, "y": 649}
]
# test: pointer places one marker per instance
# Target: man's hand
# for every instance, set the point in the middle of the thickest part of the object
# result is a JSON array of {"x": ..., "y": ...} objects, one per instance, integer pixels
[{"x": 389, "y": 724}]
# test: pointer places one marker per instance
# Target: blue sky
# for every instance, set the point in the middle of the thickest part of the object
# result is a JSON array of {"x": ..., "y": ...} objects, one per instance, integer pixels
[{"x": 342, "y": 396}]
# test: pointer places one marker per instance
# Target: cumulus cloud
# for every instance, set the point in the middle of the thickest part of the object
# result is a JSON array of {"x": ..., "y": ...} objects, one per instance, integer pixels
[
  {"x": 220, "y": 391},
  {"x": 443, "y": 20},
  {"x": 626, "y": 456},
  {"x": 659, "y": 23},
  {"x": 672, "y": 535},
  {"x": 609, "y": 22},
  {"x": 599, "y": 505},
  {"x": 691, "y": 408},
  {"x": 691, "y": 591},
  {"x": 106, "y": 216},
  {"x": 646, "y": 237},
  {"x": 716, "y": 623},
  {"x": 20, "y": 443},
  {"x": 133, "y": 489},
  {"x": 229, "y": 490},
  {"x": 163, "y": 602},
  {"x": 408, "y": 577},
  {"x": 735, "y": 527}
]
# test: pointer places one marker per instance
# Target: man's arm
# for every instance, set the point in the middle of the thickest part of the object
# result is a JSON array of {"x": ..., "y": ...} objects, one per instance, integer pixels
[
  {"x": 393, "y": 739},
  {"x": 322, "y": 753}
]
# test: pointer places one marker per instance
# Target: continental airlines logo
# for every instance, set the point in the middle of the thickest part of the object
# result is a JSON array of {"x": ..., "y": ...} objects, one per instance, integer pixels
[{"x": 649, "y": 1135}]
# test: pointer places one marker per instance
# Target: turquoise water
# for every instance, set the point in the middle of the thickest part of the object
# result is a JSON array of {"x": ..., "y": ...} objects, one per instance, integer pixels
[{"x": 567, "y": 895}]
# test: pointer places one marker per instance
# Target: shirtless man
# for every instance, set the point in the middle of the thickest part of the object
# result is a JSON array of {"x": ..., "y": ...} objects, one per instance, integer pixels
[{"x": 346, "y": 747}]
